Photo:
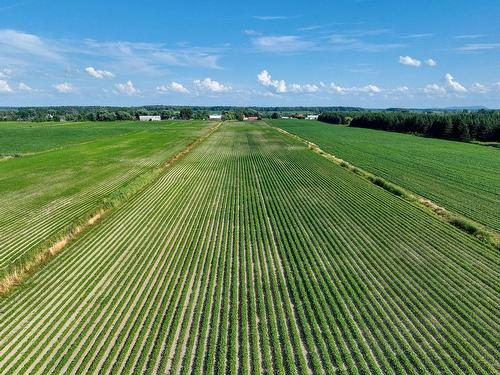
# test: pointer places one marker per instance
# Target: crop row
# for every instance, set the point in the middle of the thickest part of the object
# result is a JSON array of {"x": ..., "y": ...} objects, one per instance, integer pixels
[
  {"x": 461, "y": 177},
  {"x": 254, "y": 255},
  {"x": 68, "y": 184}
]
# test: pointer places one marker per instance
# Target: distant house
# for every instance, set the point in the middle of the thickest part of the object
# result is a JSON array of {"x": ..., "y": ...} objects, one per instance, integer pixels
[
  {"x": 285, "y": 118},
  {"x": 250, "y": 118},
  {"x": 215, "y": 117},
  {"x": 149, "y": 118},
  {"x": 312, "y": 117}
]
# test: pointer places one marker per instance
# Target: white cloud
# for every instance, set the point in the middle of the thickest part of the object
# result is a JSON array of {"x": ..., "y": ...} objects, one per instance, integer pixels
[
  {"x": 469, "y": 36},
  {"x": 307, "y": 88},
  {"x": 251, "y": 32},
  {"x": 310, "y": 88},
  {"x": 281, "y": 43},
  {"x": 64, "y": 88},
  {"x": 431, "y": 62},
  {"x": 209, "y": 84},
  {"x": 24, "y": 87},
  {"x": 352, "y": 41},
  {"x": 410, "y": 61},
  {"x": 270, "y": 18},
  {"x": 4, "y": 86},
  {"x": 434, "y": 89},
  {"x": 402, "y": 89},
  {"x": 99, "y": 74},
  {"x": 370, "y": 89},
  {"x": 152, "y": 57},
  {"x": 479, "y": 88},
  {"x": 338, "y": 89},
  {"x": 173, "y": 87},
  {"x": 479, "y": 47},
  {"x": 4, "y": 73},
  {"x": 13, "y": 41},
  {"x": 126, "y": 88},
  {"x": 265, "y": 79},
  {"x": 453, "y": 84}
]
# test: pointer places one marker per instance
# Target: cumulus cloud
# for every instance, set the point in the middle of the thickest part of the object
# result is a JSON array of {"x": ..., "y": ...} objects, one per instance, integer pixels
[
  {"x": 453, "y": 84},
  {"x": 265, "y": 79},
  {"x": 431, "y": 62},
  {"x": 338, "y": 89},
  {"x": 410, "y": 61},
  {"x": 370, "y": 89},
  {"x": 434, "y": 89},
  {"x": 173, "y": 87},
  {"x": 126, "y": 88},
  {"x": 99, "y": 74},
  {"x": 479, "y": 88},
  {"x": 4, "y": 86},
  {"x": 64, "y": 88},
  {"x": 209, "y": 84},
  {"x": 4, "y": 73},
  {"x": 307, "y": 88},
  {"x": 402, "y": 89},
  {"x": 24, "y": 87}
]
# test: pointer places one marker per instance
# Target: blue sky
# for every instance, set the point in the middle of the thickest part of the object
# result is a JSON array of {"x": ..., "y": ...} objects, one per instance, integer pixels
[{"x": 360, "y": 53}]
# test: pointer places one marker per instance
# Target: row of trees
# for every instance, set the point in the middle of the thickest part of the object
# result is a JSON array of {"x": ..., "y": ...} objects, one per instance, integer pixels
[
  {"x": 88, "y": 113},
  {"x": 465, "y": 126},
  {"x": 118, "y": 113}
]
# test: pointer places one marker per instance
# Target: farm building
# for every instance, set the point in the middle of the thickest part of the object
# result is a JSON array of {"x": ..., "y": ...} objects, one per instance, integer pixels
[
  {"x": 312, "y": 117},
  {"x": 149, "y": 118},
  {"x": 250, "y": 118},
  {"x": 215, "y": 117}
]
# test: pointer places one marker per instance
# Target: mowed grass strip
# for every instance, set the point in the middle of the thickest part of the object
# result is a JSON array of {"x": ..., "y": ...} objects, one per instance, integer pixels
[
  {"x": 253, "y": 254},
  {"x": 461, "y": 177},
  {"x": 43, "y": 195}
]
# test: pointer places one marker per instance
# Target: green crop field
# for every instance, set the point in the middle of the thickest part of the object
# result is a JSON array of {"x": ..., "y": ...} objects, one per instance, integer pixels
[
  {"x": 20, "y": 138},
  {"x": 462, "y": 177},
  {"x": 252, "y": 254},
  {"x": 68, "y": 170}
]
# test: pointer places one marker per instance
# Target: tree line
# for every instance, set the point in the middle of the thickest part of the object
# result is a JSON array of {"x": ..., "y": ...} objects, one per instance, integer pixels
[{"x": 464, "y": 126}]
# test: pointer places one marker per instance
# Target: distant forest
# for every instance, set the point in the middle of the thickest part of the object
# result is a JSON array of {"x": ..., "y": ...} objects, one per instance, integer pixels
[
  {"x": 457, "y": 124},
  {"x": 464, "y": 126},
  {"x": 83, "y": 113}
]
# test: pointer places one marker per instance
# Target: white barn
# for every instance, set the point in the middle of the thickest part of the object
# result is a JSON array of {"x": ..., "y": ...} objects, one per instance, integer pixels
[
  {"x": 149, "y": 118},
  {"x": 312, "y": 117},
  {"x": 215, "y": 117}
]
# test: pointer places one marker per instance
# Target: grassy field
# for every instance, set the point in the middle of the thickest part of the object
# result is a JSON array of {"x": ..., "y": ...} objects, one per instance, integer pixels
[
  {"x": 21, "y": 138},
  {"x": 462, "y": 177},
  {"x": 253, "y": 254},
  {"x": 68, "y": 170}
]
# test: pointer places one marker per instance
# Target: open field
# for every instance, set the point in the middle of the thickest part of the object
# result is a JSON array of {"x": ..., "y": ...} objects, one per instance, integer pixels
[
  {"x": 20, "y": 138},
  {"x": 253, "y": 254},
  {"x": 73, "y": 170},
  {"x": 462, "y": 177}
]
